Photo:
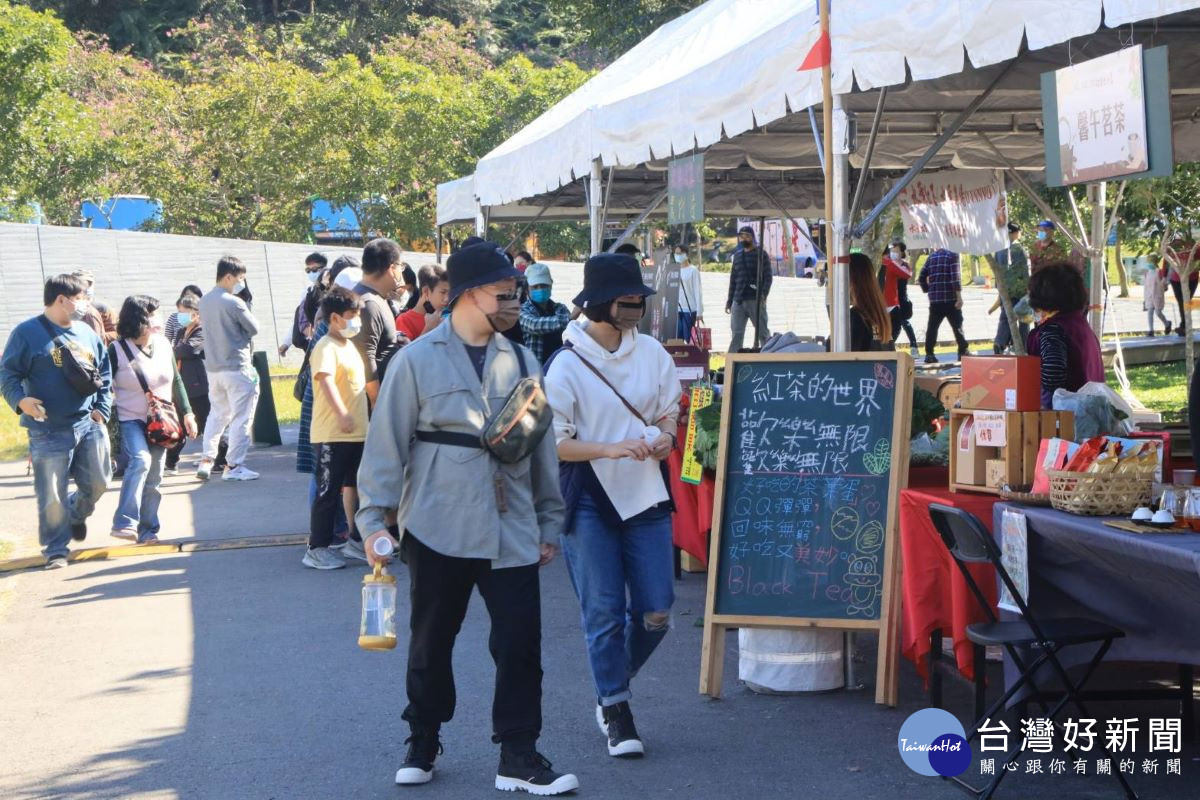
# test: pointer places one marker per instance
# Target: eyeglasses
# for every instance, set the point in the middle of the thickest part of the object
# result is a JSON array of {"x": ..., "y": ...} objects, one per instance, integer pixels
[{"x": 507, "y": 296}]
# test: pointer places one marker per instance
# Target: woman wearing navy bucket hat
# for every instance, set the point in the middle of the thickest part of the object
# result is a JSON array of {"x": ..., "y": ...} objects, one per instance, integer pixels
[{"x": 615, "y": 397}]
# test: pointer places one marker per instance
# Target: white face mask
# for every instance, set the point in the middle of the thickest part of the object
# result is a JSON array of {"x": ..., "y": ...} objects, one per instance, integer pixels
[
  {"x": 353, "y": 327},
  {"x": 679, "y": 258},
  {"x": 313, "y": 276},
  {"x": 895, "y": 254},
  {"x": 239, "y": 287}
]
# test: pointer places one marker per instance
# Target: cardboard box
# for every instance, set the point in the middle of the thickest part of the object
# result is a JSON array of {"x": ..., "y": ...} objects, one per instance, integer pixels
[
  {"x": 1002, "y": 383},
  {"x": 996, "y": 473},
  {"x": 970, "y": 462}
]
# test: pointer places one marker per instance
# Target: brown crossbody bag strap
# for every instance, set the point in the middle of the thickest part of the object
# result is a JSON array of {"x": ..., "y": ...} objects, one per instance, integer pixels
[{"x": 600, "y": 375}]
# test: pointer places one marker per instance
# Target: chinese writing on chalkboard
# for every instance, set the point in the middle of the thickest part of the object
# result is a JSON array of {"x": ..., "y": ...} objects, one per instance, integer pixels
[{"x": 806, "y": 489}]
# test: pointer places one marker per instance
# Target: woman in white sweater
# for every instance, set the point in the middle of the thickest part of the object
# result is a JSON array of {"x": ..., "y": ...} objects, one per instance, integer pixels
[
  {"x": 615, "y": 397},
  {"x": 691, "y": 294}
]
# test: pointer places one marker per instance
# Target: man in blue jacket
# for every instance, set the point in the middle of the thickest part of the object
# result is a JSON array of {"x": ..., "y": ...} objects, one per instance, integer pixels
[{"x": 66, "y": 427}]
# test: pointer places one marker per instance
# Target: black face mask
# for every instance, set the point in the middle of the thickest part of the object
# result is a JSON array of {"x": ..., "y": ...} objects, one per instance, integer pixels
[
  {"x": 429, "y": 309},
  {"x": 628, "y": 315}
]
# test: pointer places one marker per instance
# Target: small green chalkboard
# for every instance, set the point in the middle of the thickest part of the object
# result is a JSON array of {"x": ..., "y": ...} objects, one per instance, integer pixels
[
  {"x": 685, "y": 190},
  {"x": 813, "y": 454}
]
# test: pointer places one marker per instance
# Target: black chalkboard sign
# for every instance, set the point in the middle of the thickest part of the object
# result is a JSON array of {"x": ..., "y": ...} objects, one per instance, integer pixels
[{"x": 813, "y": 455}]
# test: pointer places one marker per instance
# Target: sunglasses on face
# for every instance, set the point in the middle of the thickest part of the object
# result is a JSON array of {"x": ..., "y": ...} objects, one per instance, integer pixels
[{"x": 507, "y": 296}]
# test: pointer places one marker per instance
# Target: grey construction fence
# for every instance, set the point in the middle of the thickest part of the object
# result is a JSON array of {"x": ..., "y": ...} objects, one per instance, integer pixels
[{"x": 157, "y": 264}]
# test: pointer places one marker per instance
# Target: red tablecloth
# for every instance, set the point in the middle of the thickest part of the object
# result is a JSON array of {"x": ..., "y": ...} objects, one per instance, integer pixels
[
  {"x": 934, "y": 592},
  {"x": 693, "y": 508}
]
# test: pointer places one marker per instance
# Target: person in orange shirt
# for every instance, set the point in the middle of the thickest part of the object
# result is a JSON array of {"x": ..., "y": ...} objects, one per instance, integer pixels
[{"x": 427, "y": 313}]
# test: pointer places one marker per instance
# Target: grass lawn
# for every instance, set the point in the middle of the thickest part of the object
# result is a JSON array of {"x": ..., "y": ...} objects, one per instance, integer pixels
[{"x": 1161, "y": 387}]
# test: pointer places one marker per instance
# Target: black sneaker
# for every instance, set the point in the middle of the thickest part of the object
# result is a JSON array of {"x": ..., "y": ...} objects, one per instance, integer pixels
[
  {"x": 526, "y": 770},
  {"x": 931, "y": 359},
  {"x": 423, "y": 748},
  {"x": 1167, "y": 332},
  {"x": 623, "y": 739},
  {"x": 79, "y": 531}
]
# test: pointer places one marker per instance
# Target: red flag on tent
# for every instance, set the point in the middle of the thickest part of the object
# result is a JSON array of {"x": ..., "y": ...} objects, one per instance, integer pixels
[{"x": 819, "y": 55}]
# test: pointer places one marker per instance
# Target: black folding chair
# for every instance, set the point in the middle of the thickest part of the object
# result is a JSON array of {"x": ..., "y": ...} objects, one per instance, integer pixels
[{"x": 970, "y": 543}]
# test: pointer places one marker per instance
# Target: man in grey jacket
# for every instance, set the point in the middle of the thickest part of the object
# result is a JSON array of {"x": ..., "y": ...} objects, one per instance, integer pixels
[
  {"x": 468, "y": 520},
  {"x": 229, "y": 328}
]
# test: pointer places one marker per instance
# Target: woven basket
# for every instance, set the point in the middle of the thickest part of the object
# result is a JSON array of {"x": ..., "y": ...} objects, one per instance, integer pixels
[{"x": 1099, "y": 495}]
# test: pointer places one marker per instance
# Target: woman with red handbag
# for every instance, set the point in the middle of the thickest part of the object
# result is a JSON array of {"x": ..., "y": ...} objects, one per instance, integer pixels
[{"x": 148, "y": 395}]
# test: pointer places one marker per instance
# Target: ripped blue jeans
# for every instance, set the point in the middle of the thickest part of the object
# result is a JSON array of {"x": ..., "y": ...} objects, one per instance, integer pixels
[{"x": 624, "y": 579}]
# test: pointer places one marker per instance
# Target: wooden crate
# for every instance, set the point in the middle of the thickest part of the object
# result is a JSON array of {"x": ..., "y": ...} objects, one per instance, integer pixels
[{"x": 1025, "y": 431}]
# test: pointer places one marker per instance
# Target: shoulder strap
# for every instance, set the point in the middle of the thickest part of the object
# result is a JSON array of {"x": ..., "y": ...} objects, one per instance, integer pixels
[
  {"x": 54, "y": 337},
  {"x": 135, "y": 366},
  {"x": 600, "y": 375},
  {"x": 521, "y": 360}
]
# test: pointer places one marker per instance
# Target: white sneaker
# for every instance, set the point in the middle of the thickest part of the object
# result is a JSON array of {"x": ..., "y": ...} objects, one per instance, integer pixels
[
  {"x": 353, "y": 550},
  {"x": 600, "y": 719},
  {"x": 170, "y": 473},
  {"x": 239, "y": 473},
  {"x": 204, "y": 470},
  {"x": 322, "y": 558}
]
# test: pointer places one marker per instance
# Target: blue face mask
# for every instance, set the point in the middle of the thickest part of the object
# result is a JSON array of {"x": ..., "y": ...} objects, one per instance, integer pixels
[
  {"x": 1041, "y": 235},
  {"x": 185, "y": 318},
  {"x": 541, "y": 296}
]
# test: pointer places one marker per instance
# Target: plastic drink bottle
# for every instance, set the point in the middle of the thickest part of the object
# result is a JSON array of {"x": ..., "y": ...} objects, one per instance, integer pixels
[{"x": 377, "y": 630}]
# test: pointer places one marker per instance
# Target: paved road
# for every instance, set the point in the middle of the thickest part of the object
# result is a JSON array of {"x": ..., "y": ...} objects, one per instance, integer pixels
[
  {"x": 235, "y": 674},
  {"x": 191, "y": 510}
]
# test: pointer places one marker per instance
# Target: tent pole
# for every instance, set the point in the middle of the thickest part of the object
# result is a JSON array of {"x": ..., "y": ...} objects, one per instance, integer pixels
[
  {"x": 758, "y": 282},
  {"x": 607, "y": 188},
  {"x": 933, "y": 150},
  {"x": 594, "y": 200},
  {"x": 1083, "y": 231},
  {"x": 439, "y": 244},
  {"x": 866, "y": 165},
  {"x": 633, "y": 226},
  {"x": 541, "y": 212},
  {"x": 839, "y": 250},
  {"x": 480, "y": 221},
  {"x": 1096, "y": 295},
  {"x": 1033, "y": 196},
  {"x": 812, "y": 123},
  {"x": 782, "y": 210}
]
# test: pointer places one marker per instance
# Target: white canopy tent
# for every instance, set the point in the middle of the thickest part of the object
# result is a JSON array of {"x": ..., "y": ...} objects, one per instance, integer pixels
[
  {"x": 729, "y": 68},
  {"x": 959, "y": 87}
]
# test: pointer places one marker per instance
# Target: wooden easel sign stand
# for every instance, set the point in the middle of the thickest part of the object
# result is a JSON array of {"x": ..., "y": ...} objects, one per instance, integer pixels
[{"x": 814, "y": 451}]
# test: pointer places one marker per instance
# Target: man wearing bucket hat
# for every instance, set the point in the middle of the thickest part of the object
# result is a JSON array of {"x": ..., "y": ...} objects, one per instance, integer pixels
[
  {"x": 469, "y": 521},
  {"x": 542, "y": 320},
  {"x": 615, "y": 396}
]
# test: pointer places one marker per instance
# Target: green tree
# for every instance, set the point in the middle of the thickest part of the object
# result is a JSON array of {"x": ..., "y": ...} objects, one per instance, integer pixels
[
  {"x": 50, "y": 147},
  {"x": 612, "y": 27}
]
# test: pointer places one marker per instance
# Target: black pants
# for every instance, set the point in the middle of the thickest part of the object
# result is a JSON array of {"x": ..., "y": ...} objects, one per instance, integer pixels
[
  {"x": 1177, "y": 288},
  {"x": 337, "y": 468},
  {"x": 200, "y": 407},
  {"x": 898, "y": 324},
  {"x": 441, "y": 588},
  {"x": 937, "y": 313}
]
